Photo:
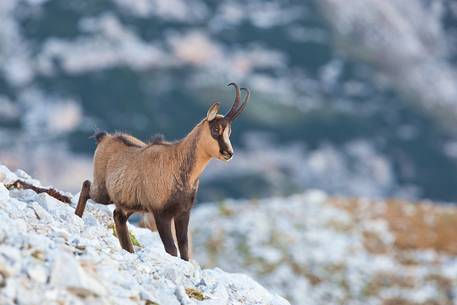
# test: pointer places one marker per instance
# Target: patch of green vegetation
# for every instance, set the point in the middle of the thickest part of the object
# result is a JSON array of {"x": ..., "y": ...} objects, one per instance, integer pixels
[
  {"x": 132, "y": 236},
  {"x": 135, "y": 241},
  {"x": 196, "y": 294}
]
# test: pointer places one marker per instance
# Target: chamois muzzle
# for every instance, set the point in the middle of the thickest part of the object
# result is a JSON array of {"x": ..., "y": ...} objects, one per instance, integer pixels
[
  {"x": 227, "y": 155},
  {"x": 237, "y": 107}
]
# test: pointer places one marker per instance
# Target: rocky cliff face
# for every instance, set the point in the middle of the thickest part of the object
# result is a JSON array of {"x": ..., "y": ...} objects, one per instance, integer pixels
[{"x": 50, "y": 256}]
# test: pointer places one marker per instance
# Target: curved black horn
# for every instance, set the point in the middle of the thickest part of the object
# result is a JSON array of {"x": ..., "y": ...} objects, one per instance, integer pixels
[
  {"x": 245, "y": 101},
  {"x": 236, "y": 103}
]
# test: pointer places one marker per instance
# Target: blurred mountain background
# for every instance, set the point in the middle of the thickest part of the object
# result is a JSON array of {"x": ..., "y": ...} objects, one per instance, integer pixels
[{"x": 357, "y": 98}]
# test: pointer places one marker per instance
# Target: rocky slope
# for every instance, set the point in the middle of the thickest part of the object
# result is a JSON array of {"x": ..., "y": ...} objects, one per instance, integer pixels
[
  {"x": 50, "y": 256},
  {"x": 315, "y": 249}
]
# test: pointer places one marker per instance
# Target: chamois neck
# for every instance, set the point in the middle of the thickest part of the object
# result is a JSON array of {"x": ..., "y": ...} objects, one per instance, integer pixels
[{"x": 195, "y": 158}]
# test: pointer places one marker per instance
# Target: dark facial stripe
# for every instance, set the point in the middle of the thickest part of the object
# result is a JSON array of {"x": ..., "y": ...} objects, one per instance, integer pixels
[
  {"x": 221, "y": 124},
  {"x": 222, "y": 146}
]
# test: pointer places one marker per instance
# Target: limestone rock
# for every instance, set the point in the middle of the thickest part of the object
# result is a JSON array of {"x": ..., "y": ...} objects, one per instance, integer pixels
[{"x": 67, "y": 273}]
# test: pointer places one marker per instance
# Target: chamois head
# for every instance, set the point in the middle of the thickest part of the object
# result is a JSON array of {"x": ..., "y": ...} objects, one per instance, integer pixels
[{"x": 219, "y": 127}]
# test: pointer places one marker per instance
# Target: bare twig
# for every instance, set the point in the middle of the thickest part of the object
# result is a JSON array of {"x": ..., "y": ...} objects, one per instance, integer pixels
[{"x": 22, "y": 185}]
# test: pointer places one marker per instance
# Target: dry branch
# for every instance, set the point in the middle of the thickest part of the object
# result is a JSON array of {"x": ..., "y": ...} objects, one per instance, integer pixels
[{"x": 21, "y": 185}]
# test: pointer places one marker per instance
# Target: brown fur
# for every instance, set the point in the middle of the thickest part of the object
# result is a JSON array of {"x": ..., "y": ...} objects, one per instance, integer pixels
[
  {"x": 128, "y": 140},
  {"x": 158, "y": 139},
  {"x": 148, "y": 221},
  {"x": 160, "y": 178},
  {"x": 140, "y": 177},
  {"x": 99, "y": 136}
]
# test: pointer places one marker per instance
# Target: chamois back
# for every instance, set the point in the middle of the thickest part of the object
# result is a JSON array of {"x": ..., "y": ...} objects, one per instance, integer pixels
[{"x": 128, "y": 140}]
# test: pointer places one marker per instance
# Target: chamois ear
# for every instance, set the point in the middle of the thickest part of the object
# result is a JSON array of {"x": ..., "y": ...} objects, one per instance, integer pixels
[{"x": 212, "y": 111}]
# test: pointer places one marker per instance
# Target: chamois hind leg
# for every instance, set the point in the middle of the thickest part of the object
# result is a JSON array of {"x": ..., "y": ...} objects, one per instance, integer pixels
[
  {"x": 83, "y": 197},
  {"x": 163, "y": 222},
  {"x": 120, "y": 221}
]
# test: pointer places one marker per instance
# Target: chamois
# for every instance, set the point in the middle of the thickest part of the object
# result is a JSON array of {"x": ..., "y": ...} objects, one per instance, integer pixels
[{"x": 161, "y": 177}]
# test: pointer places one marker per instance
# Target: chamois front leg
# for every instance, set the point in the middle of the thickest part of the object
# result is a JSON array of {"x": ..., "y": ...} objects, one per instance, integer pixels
[
  {"x": 120, "y": 221},
  {"x": 181, "y": 226},
  {"x": 163, "y": 222},
  {"x": 83, "y": 197}
]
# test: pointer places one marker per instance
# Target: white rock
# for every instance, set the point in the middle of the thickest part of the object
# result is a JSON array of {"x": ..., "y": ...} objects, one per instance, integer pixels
[
  {"x": 4, "y": 193},
  {"x": 38, "y": 273},
  {"x": 41, "y": 213},
  {"x": 50, "y": 256},
  {"x": 90, "y": 220},
  {"x": 20, "y": 226},
  {"x": 6, "y": 176},
  {"x": 62, "y": 233},
  {"x": 23, "y": 195},
  {"x": 166, "y": 297},
  {"x": 8, "y": 292},
  {"x": 22, "y": 174},
  {"x": 182, "y": 295},
  {"x": 67, "y": 273},
  {"x": 27, "y": 296},
  {"x": 10, "y": 258},
  {"x": 49, "y": 203},
  {"x": 13, "y": 205}
]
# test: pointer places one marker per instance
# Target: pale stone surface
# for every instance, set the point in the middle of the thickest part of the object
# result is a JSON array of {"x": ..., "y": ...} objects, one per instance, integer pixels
[
  {"x": 48, "y": 255},
  {"x": 313, "y": 251},
  {"x": 69, "y": 274}
]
